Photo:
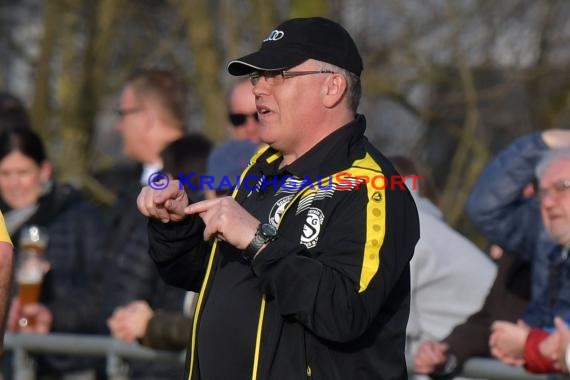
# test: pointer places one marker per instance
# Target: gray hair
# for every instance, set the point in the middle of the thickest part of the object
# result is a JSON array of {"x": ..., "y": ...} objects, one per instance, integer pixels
[
  {"x": 550, "y": 157},
  {"x": 353, "y": 85}
]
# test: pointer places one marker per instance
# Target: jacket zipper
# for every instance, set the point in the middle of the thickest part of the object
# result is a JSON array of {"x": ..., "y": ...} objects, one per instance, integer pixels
[
  {"x": 199, "y": 307},
  {"x": 262, "y": 308},
  {"x": 258, "y": 339},
  {"x": 192, "y": 348},
  {"x": 262, "y": 311},
  {"x": 307, "y": 355}
]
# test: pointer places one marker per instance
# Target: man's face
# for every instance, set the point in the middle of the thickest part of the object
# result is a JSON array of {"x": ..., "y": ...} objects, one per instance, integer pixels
[
  {"x": 554, "y": 194},
  {"x": 132, "y": 123},
  {"x": 244, "y": 125},
  {"x": 289, "y": 107}
]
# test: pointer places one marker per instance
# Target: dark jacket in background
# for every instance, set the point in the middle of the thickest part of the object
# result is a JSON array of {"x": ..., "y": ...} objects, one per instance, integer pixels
[
  {"x": 72, "y": 289},
  {"x": 506, "y": 301},
  {"x": 131, "y": 275},
  {"x": 168, "y": 331}
]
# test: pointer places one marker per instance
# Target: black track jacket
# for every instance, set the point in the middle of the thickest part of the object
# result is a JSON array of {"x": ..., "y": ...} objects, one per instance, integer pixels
[{"x": 334, "y": 287}]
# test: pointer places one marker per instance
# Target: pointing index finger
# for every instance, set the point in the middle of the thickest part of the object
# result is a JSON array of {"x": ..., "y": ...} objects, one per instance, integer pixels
[{"x": 200, "y": 207}]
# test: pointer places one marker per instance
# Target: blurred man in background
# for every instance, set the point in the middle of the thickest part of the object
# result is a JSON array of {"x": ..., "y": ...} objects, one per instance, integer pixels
[
  {"x": 151, "y": 116},
  {"x": 242, "y": 113}
]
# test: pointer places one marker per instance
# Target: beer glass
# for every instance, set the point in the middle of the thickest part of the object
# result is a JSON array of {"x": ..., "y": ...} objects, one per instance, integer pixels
[
  {"x": 33, "y": 238},
  {"x": 31, "y": 267}
]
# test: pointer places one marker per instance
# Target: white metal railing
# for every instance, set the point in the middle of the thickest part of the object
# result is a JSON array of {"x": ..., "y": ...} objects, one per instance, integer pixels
[
  {"x": 116, "y": 352},
  {"x": 484, "y": 368},
  {"x": 113, "y": 350}
]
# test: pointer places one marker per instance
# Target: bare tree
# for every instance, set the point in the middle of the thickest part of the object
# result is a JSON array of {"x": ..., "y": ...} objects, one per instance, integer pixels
[{"x": 474, "y": 75}]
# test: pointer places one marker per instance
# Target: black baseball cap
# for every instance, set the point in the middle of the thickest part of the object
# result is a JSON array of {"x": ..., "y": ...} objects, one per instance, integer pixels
[{"x": 299, "y": 39}]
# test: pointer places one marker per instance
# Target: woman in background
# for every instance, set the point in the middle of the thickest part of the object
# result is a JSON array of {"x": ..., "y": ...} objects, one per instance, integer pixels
[{"x": 70, "y": 292}]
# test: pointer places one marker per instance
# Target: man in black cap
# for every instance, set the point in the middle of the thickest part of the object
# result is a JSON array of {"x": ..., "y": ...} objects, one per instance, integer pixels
[{"x": 308, "y": 271}]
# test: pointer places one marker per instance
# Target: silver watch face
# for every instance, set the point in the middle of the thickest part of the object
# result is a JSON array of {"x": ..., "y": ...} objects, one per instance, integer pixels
[{"x": 268, "y": 230}]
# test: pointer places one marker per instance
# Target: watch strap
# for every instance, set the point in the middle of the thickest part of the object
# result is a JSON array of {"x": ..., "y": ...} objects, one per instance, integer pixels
[{"x": 258, "y": 241}]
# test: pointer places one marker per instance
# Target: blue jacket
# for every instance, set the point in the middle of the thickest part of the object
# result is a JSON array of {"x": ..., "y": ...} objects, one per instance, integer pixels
[{"x": 496, "y": 206}]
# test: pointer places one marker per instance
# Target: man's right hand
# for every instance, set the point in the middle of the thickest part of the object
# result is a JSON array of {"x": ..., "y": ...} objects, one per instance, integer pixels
[
  {"x": 429, "y": 356},
  {"x": 130, "y": 322},
  {"x": 507, "y": 341},
  {"x": 167, "y": 204}
]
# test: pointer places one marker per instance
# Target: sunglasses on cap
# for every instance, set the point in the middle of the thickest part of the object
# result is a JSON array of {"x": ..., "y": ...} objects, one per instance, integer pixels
[{"x": 239, "y": 119}]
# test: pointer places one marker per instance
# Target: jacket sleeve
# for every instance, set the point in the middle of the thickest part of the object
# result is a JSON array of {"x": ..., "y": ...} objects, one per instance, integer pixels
[
  {"x": 168, "y": 331},
  {"x": 496, "y": 205},
  {"x": 534, "y": 361},
  {"x": 338, "y": 288},
  {"x": 179, "y": 251},
  {"x": 471, "y": 338},
  {"x": 506, "y": 300}
]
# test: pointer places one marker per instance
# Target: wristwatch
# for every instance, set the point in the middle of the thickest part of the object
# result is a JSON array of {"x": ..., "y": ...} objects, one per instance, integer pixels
[{"x": 265, "y": 234}]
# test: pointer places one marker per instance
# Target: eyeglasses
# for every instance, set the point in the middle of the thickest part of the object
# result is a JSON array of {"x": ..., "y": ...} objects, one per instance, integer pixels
[
  {"x": 274, "y": 77},
  {"x": 555, "y": 190},
  {"x": 239, "y": 119},
  {"x": 121, "y": 113}
]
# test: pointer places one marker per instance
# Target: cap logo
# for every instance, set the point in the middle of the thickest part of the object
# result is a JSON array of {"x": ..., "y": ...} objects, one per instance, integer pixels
[{"x": 275, "y": 35}]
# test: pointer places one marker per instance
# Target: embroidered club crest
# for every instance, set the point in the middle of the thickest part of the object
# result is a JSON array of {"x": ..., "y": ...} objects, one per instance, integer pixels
[{"x": 312, "y": 227}]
